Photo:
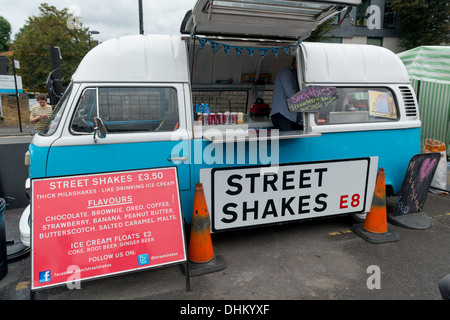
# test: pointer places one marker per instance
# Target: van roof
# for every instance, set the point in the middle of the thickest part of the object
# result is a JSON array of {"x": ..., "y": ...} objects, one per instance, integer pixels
[
  {"x": 136, "y": 58},
  {"x": 351, "y": 63},
  {"x": 163, "y": 58}
]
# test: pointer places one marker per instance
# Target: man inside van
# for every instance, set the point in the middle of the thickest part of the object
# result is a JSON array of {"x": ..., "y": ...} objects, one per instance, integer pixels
[{"x": 286, "y": 85}]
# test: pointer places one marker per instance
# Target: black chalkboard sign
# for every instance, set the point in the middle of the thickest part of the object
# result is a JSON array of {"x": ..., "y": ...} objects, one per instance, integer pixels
[
  {"x": 416, "y": 183},
  {"x": 312, "y": 99}
]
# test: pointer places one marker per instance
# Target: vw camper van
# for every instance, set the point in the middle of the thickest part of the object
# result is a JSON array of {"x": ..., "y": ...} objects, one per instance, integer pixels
[{"x": 152, "y": 101}]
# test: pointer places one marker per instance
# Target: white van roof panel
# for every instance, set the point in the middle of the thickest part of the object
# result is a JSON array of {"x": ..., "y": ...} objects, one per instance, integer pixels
[
  {"x": 280, "y": 19},
  {"x": 351, "y": 63},
  {"x": 136, "y": 58}
]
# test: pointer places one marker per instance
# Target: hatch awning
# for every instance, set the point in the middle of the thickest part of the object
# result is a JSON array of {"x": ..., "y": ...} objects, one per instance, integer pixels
[{"x": 276, "y": 19}]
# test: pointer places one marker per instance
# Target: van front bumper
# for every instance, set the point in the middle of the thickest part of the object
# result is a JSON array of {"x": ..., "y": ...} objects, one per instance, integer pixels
[{"x": 24, "y": 227}]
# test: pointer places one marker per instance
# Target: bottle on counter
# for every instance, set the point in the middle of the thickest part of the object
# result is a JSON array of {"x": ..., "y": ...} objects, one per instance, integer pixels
[{"x": 240, "y": 118}]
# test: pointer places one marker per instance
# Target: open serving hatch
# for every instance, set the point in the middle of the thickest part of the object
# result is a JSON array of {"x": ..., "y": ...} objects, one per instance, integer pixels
[{"x": 276, "y": 19}]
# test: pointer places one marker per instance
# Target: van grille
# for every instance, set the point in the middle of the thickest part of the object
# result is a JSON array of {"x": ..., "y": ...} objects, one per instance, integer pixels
[{"x": 408, "y": 99}]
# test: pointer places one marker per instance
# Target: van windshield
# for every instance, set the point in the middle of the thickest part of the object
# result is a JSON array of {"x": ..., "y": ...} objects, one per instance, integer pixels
[{"x": 53, "y": 121}]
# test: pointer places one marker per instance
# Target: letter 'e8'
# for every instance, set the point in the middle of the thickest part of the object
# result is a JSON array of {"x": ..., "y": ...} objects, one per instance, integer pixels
[{"x": 355, "y": 201}]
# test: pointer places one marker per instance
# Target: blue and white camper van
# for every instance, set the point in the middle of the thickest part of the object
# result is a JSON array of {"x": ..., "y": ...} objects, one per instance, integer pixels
[{"x": 141, "y": 102}]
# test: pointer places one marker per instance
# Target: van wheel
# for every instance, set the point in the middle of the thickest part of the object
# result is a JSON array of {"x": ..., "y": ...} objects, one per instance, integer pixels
[{"x": 359, "y": 217}]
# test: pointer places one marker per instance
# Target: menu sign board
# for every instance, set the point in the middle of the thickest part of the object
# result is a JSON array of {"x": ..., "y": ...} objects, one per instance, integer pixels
[
  {"x": 90, "y": 226},
  {"x": 312, "y": 99}
]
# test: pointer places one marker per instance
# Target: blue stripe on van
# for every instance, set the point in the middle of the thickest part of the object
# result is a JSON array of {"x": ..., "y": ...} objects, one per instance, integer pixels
[{"x": 394, "y": 149}]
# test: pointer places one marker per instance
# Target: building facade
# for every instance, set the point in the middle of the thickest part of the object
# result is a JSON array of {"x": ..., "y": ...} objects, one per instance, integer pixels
[{"x": 372, "y": 22}]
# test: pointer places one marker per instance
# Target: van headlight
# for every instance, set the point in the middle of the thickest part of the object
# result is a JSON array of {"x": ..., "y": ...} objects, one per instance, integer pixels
[{"x": 27, "y": 158}]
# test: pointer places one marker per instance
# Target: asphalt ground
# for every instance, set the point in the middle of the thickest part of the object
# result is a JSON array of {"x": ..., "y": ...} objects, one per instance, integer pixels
[
  {"x": 25, "y": 130},
  {"x": 310, "y": 260},
  {"x": 10, "y": 135},
  {"x": 313, "y": 260}
]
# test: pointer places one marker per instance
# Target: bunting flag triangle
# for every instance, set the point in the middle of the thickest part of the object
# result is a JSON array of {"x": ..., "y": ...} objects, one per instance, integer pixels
[
  {"x": 251, "y": 50},
  {"x": 202, "y": 42},
  {"x": 275, "y": 52},
  {"x": 214, "y": 46},
  {"x": 263, "y": 53},
  {"x": 238, "y": 52}
]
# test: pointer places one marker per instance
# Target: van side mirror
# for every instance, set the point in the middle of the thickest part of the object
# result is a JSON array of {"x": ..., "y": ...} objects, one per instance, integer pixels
[{"x": 99, "y": 129}]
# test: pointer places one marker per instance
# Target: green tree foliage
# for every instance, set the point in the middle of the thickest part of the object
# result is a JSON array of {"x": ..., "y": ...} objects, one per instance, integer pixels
[
  {"x": 322, "y": 32},
  {"x": 5, "y": 34},
  {"x": 423, "y": 22},
  {"x": 48, "y": 29}
]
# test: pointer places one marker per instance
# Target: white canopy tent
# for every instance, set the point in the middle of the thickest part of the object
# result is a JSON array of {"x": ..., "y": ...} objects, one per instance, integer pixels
[{"x": 429, "y": 70}]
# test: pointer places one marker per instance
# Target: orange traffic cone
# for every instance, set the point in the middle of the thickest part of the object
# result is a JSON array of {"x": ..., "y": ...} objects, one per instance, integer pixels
[
  {"x": 201, "y": 253},
  {"x": 374, "y": 229}
]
